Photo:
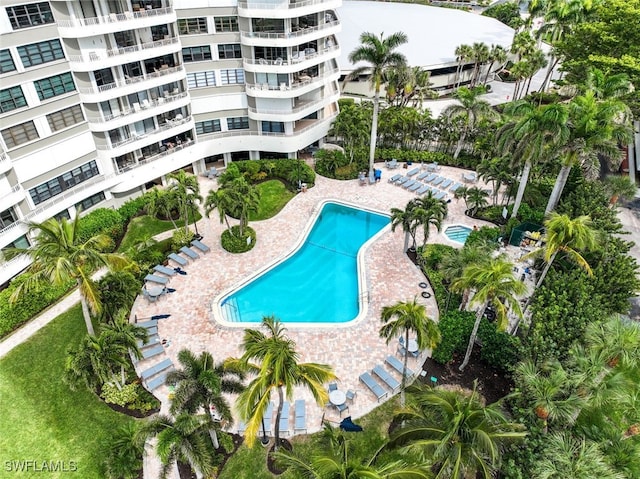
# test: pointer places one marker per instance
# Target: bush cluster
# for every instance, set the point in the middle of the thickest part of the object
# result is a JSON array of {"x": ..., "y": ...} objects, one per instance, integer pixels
[
  {"x": 101, "y": 221},
  {"x": 234, "y": 243},
  {"x": 287, "y": 169}
]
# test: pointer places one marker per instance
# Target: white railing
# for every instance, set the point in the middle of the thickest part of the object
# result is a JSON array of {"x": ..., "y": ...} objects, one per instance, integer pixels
[
  {"x": 226, "y": 134},
  {"x": 114, "y": 18},
  {"x": 295, "y": 85},
  {"x": 13, "y": 190},
  {"x": 283, "y": 35},
  {"x": 170, "y": 124},
  {"x": 130, "y": 81},
  {"x": 293, "y": 59},
  {"x": 284, "y": 4},
  {"x": 13, "y": 225},
  {"x": 98, "y": 56},
  {"x": 143, "y": 106},
  {"x": 303, "y": 105},
  {"x": 153, "y": 158}
]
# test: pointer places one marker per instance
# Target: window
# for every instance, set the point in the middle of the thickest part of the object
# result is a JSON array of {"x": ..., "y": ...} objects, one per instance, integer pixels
[
  {"x": 91, "y": 201},
  {"x": 272, "y": 127},
  {"x": 226, "y": 24},
  {"x": 19, "y": 134},
  {"x": 232, "y": 77},
  {"x": 64, "y": 118},
  {"x": 64, "y": 182},
  {"x": 238, "y": 123},
  {"x": 207, "y": 126},
  {"x": 196, "y": 54},
  {"x": 42, "y": 52},
  {"x": 25, "y": 16},
  {"x": 231, "y": 50},
  {"x": 201, "y": 79},
  {"x": 7, "y": 217},
  {"x": 12, "y": 98},
  {"x": 63, "y": 214},
  {"x": 192, "y": 26},
  {"x": 54, "y": 86},
  {"x": 22, "y": 243},
  {"x": 6, "y": 62}
]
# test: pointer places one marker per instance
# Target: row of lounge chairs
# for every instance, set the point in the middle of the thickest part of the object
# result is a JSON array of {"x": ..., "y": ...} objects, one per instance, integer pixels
[
  {"x": 181, "y": 261},
  {"x": 378, "y": 390},
  {"x": 154, "y": 376},
  {"x": 284, "y": 426},
  {"x": 424, "y": 182}
]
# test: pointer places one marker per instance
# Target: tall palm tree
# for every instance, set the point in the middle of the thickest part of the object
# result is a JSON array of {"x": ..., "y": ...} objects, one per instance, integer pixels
[
  {"x": 127, "y": 336},
  {"x": 187, "y": 193},
  {"x": 406, "y": 219},
  {"x": 464, "y": 53},
  {"x": 161, "y": 204},
  {"x": 335, "y": 458},
  {"x": 619, "y": 186},
  {"x": 59, "y": 256},
  {"x": 404, "y": 318},
  {"x": 470, "y": 109},
  {"x": 597, "y": 129},
  {"x": 455, "y": 432},
  {"x": 222, "y": 200},
  {"x": 455, "y": 261},
  {"x": 273, "y": 360},
  {"x": 496, "y": 285},
  {"x": 379, "y": 55},
  {"x": 529, "y": 136},
  {"x": 606, "y": 87},
  {"x": 247, "y": 200},
  {"x": 481, "y": 55},
  {"x": 498, "y": 55},
  {"x": 477, "y": 198},
  {"x": 429, "y": 211}
]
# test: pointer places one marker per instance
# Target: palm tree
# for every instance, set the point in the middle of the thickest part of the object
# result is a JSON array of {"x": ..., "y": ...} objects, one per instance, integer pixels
[
  {"x": 406, "y": 219},
  {"x": 161, "y": 204},
  {"x": 222, "y": 200},
  {"x": 469, "y": 110},
  {"x": 124, "y": 453},
  {"x": 334, "y": 458},
  {"x": 187, "y": 193},
  {"x": 620, "y": 186},
  {"x": 409, "y": 317},
  {"x": 617, "y": 340},
  {"x": 455, "y": 261},
  {"x": 495, "y": 285},
  {"x": 481, "y": 55},
  {"x": 529, "y": 135},
  {"x": 455, "y": 432},
  {"x": 276, "y": 370},
  {"x": 247, "y": 200},
  {"x": 477, "y": 199},
  {"x": 429, "y": 211},
  {"x": 59, "y": 257},
  {"x": 497, "y": 54},
  {"x": 127, "y": 336},
  {"x": 606, "y": 87},
  {"x": 464, "y": 53},
  {"x": 380, "y": 56}
]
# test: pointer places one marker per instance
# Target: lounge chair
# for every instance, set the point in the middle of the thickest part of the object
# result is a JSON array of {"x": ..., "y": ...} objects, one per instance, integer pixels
[
  {"x": 373, "y": 386},
  {"x": 402, "y": 180},
  {"x": 158, "y": 368},
  {"x": 423, "y": 189},
  {"x": 189, "y": 252},
  {"x": 155, "y": 383},
  {"x": 422, "y": 175},
  {"x": 152, "y": 340},
  {"x": 440, "y": 195},
  {"x": 437, "y": 181},
  {"x": 151, "y": 352},
  {"x": 446, "y": 183},
  {"x": 178, "y": 259},
  {"x": 395, "y": 178},
  {"x": 201, "y": 246},
  {"x": 416, "y": 186},
  {"x": 396, "y": 364},
  {"x": 470, "y": 177},
  {"x": 164, "y": 270},
  {"x": 156, "y": 279},
  {"x": 148, "y": 324},
  {"x": 455, "y": 187},
  {"x": 389, "y": 380},
  {"x": 301, "y": 416},
  {"x": 431, "y": 177},
  {"x": 409, "y": 184},
  {"x": 283, "y": 425},
  {"x": 413, "y": 172}
]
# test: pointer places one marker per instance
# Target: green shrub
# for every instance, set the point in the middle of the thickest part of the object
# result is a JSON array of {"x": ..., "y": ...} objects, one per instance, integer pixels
[
  {"x": 181, "y": 237},
  {"x": 527, "y": 213},
  {"x": 118, "y": 291},
  {"x": 226, "y": 442},
  {"x": 289, "y": 170},
  {"x": 485, "y": 236},
  {"x": 133, "y": 207},
  {"x": 455, "y": 327},
  {"x": 101, "y": 221},
  {"x": 121, "y": 397},
  {"x": 499, "y": 349},
  {"x": 434, "y": 253},
  {"x": 234, "y": 243}
]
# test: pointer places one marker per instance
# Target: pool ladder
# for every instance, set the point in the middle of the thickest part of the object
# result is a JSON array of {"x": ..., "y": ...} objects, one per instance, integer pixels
[
  {"x": 231, "y": 310},
  {"x": 364, "y": 296}
]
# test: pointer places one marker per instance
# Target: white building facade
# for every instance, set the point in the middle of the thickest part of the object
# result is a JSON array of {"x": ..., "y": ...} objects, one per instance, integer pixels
[{"x": 101, "y": 99}]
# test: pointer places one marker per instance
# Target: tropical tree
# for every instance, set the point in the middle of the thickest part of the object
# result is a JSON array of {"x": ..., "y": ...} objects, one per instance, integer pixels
[
  {"x": 469, "y": 109},
  {"x": 124, "y": 452},
  {"x": 620, "y": 186},
  {"x": 477, "y": 198},
  {"x": 59, "y": 256},
  {"x": 404, "y": 318},
  {"x": 127, "y": 336},
  {"x": 186, "y": 189},
  {"x": 406, "y": 219},
  {"x": 455, "y": 261},
  {"x": 455, "y": 432},
  {"x": 161, "y": 204},
  {"x": 273, "y": 360},
  {"x": 351, "y": 126},
  {"x": 481, "y": 55},
  {"x": 380, "y": 56},
  {"x": 463, "y": 53},
  {"x": 495, "y": 285},
  {"x": 606, "y": 87},
  {"x": 429, "y": 211},
  {"x": 498, "y": 55}
]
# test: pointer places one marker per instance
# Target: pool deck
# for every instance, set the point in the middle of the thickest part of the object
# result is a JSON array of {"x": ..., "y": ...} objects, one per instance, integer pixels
[{"x": 350, "y": 350}]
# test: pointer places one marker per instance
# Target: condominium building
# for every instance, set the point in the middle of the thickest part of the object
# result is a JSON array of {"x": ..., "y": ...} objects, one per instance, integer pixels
[{"x": 101, "y": 99}]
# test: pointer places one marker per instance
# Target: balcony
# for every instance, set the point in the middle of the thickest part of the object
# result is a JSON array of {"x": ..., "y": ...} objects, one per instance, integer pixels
[
  {"x": 138, "y": 112},
  {"x": 11, "y": 197},
  {"x": 120, "y": 169},
  {"x": 302, "y": 109},
  {"x": 285, "y": 8},
  {"x": 290, "y": 39},
  {"x": 115, "y": 22},
  {"x": 296, "y": 63},
  {"x": 122, "y": 87},
  {"x": 5, "y": 162},
  {"x": 116, "y": 56},
  {"x": 304, "y": 85}
]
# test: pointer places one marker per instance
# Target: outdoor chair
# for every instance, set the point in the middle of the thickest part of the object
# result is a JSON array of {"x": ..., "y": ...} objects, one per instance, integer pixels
[
  {"x": 351, "y": 395},
  {"x": 164, "y": 270},
  {"x": 431, "y": 177},
  {"x": 402, "y": 180},
  {"x": 373, "y": 386},
  {"x": 386, "y": 378},
  {"x": 414, "y": 171},
  {"x": 437, "y": 181},
  {"x": 455, "y": 187},
  {"x": 156, "y": 279},
  {"x": 415, "y": 187},
  {"x": 422, "y": 175},
  {"x": 300, "y": 424},
  {"x": 190, "y": 253},
  {"x": 178, "y": 259},
  {"x": 341, "y": 408},
  {"x": 423, "y": 189},
  {"x": 396, "y": 364},
  {"x": 158, "y": 368},
  {"x": 446, "y": 183},
  {"x": 409, "y": 184},
  {"x": 333, "y": 387},
  {"x": 395, "y": 178},
  {"x": 155, "y": 383},
  {"x": 283, "y": 425},
  {"x": 440, "y": 195}
]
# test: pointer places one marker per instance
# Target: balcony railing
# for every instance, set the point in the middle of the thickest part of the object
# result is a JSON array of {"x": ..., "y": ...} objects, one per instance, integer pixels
[
  {"x": 284, "y": 35},
  {"x": 293, "y": 86},
  {"x": 13, "y": 225},
  {"x": 167, "y": 126},
  {"x": 284, "y": 4},
  {"x": 143, "y": 106},
  {"x": 302, "y": 105},
  {"x": 13, "y": 190},
  {"x": 153, "y": 158},
  {"x": 114, "y": 18},
  {"x": 300, "y": 57},
  {"x": 98, "y": 56},
  {"x": 131, "y": 81}
]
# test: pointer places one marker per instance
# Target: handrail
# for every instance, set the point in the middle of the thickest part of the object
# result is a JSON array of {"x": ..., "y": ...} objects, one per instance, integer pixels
[
  {"x": 4, "y": 156},
  {"x": 15, "y": 224},
  {"x": 304, "y": 105},
  {"x": 284, "y": 35},
  {"x": 129, "y": 111},
  {"x": 280, "y": 61},
  {"x": 97, "y": 56},
  {"x": 13, "y": 190},
  {"x": 114, "y": 17},
  {"x": 132, "y": 138},
  {"x": 153, "y": 158},
  {"x": 130, "y": 81},
  {"x": 295, "y": 85},
  {"x": 284, "y": 4}
]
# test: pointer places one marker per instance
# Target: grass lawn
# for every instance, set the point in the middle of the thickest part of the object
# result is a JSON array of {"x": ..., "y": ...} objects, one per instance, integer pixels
[
  {"x": 143, "y": 227},
  {"x": 42, "y": 419},
  {"x": 273, "y": 197}
]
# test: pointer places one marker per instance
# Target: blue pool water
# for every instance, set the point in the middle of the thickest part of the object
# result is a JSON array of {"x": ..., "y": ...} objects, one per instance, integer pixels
[
  {"x": 319, "y": 283},
  {"x": 457, "y": 233}
]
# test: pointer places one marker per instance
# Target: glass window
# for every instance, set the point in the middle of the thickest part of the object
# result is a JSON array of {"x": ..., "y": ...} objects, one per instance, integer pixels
[
  {"x": 238, "y": 123},
  {"x": 6, "y": 62},
  {"x": 232, "y": 77},
  {"x": 63, "y": 182},
  {"x": 7, "y": 217},
  {"x": 24, "y": 16},
  {"x": 91, "y": 201},
  {"x": 207, "y": 126},
  {"x": 19, "y": 134},
  {"x": 226, "y": 24},
  {"x": 12, "y": 98},
  {"x": 273, "y": 127},
  {"x": 201, "y": 79},
  {"x": 54, "y": 86},
  {"x": 230, "y": 50},
  {"x": 65, "y": 118},
  {"x": 192, "y": 26},
  {"x": 196, "y": 54},
  {"x": 42, "y": 52}
]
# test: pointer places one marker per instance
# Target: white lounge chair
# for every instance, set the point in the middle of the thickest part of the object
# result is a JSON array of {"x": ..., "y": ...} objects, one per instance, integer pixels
[
  {"x": 390, "y": 381},
  {"x": 200, "y": 245},
  {"x": 373, "y": 386},
  {"x": 189, "y": 252},
  {"x": 300, "y": 424},
  {"x": 283, "y": 425}
]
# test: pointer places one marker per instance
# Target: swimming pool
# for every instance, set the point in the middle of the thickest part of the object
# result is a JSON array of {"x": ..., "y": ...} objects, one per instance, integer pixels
[
  {"x": 457, "y": 233},
  {"x": 319, "y": 282}
]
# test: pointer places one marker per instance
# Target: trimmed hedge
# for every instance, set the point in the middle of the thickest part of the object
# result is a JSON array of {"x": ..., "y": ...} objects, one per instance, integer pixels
[
  {"x": 236, "y": 244},
  {"x": 455, "y": 327},
  {"x": 101, "y": 221},
  {"x": 285, "y": 169}
]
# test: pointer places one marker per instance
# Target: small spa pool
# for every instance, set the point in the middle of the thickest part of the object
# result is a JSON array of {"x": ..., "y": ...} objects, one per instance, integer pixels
[
  {"x": 319, "y": 282},
  {"x": 457, "y": 233}
]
